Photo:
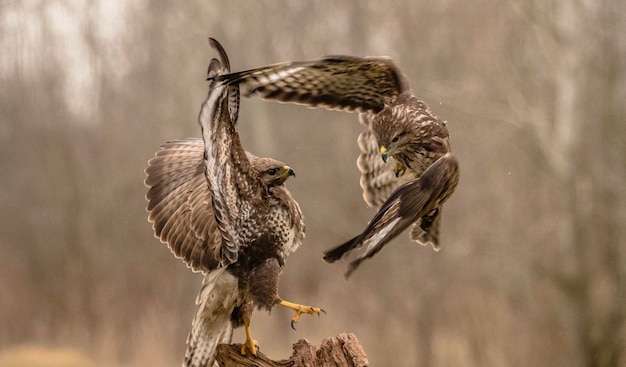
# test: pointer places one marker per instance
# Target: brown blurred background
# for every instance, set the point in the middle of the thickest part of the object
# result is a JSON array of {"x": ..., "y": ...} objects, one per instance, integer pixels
[{"x": 532, "y": 270}]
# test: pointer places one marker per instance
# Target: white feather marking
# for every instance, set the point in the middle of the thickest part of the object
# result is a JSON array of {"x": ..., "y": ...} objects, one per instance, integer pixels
[
  {"x": 207, "y": 120},
  {"x": 276, "y": 76},
  {"x": 373, "y": 241}
]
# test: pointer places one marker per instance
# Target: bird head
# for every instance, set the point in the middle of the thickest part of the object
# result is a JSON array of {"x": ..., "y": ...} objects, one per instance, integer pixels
[
  {"x": 392, "y": 135},
  {"x": 277, "y": 175},
  {"x": 272, "y": 172}
]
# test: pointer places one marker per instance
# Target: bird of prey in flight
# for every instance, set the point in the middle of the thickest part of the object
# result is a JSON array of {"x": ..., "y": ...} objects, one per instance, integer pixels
[
  {"x": 228, "y": 214},
  {"x": 398, "y": 125}
]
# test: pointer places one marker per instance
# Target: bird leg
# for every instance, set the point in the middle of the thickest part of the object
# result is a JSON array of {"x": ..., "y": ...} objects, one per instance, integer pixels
[
  {"x": 399, "y": 169},
  {"x": 300, "y": 309},
  {"x": 250, "y": 344}
]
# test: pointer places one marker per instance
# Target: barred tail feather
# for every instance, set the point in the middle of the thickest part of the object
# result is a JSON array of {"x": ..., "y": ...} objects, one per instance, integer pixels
[{"x": 211, "y": 325}]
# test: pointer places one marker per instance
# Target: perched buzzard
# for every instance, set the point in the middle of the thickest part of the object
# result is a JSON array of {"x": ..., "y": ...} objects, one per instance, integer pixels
[
  {"x": 398, "y": 125},
  {"x": 225, "y": 213}
]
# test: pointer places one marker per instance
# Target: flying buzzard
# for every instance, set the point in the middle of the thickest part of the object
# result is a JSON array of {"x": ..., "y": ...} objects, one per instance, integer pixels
[
  {"x": 398, "y": 125},
  {"x": 226, "y": 213}
]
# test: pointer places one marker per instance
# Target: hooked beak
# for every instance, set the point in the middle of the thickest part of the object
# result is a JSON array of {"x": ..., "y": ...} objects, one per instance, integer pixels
[
  {"x": 383, "y": 152},
  {"x": 289, "y": 171}
]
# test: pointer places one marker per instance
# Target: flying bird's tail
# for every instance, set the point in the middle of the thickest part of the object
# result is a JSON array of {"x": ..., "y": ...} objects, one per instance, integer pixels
[
  {"x": 211, "y": 326},
  {"x": 426, "y": 230}
]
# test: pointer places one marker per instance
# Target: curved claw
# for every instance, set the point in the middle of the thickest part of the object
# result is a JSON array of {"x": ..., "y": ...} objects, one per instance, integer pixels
[
  {"x": 399, "y": 169},
  {"x": 300, "y": 309}
]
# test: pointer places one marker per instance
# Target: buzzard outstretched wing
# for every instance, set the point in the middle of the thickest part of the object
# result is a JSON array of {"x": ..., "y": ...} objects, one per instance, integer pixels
[
  {"x": 179, "y": 204},
  {"x": 231, "y": 180},
  {"x": 362, "y": 84}
]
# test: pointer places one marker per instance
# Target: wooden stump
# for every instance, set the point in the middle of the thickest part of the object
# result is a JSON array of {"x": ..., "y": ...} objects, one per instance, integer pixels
[{"x": 342, "y": 350}]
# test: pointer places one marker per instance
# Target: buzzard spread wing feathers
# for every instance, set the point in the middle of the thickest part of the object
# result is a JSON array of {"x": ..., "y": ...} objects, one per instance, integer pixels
[{"x": 179, "y": 204}]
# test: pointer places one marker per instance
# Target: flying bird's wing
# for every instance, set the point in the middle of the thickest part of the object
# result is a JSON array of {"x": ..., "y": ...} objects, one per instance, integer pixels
[
  {"x": 334, "y": 82},
  {"x": 409, "y": 203}
]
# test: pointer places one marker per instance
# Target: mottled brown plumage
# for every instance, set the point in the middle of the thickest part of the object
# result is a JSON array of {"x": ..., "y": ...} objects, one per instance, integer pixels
[
  {"x": 225, "y": 213},
  {"x": 398, "y": 125}
]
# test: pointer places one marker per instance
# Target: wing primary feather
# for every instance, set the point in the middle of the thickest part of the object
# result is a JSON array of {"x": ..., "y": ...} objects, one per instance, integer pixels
[{"x": 220, "y": 50}]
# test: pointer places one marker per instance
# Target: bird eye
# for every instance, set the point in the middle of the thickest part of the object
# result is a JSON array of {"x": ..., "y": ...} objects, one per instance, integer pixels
[
  {"x": 272, "y": 171},
  {"x": 395, "y": 139}
]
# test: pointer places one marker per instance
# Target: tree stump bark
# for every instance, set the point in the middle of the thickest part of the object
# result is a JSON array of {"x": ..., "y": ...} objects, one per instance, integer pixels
[{"x": 342, "y": 350}]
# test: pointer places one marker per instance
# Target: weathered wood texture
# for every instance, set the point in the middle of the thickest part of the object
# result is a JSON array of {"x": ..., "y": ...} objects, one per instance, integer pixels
[{"x": 342, "y": 350}]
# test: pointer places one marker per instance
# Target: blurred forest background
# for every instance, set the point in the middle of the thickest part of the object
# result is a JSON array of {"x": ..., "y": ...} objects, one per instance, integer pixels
[{"x": 532, "y": 270}]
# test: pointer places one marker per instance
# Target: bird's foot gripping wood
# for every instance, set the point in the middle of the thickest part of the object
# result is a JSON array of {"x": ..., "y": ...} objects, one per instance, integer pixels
[
  {"x": 250, "y": 345},
  {"x": 300, "y": 309},
  {"x": 399, "y": 169}
]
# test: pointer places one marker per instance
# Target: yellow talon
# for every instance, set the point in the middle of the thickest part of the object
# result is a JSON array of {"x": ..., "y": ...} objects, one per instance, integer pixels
[
  {"x": 399, "y": 169},
  {"x": 300, "y": 309},
  {"x": 250, "y": 344}
]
